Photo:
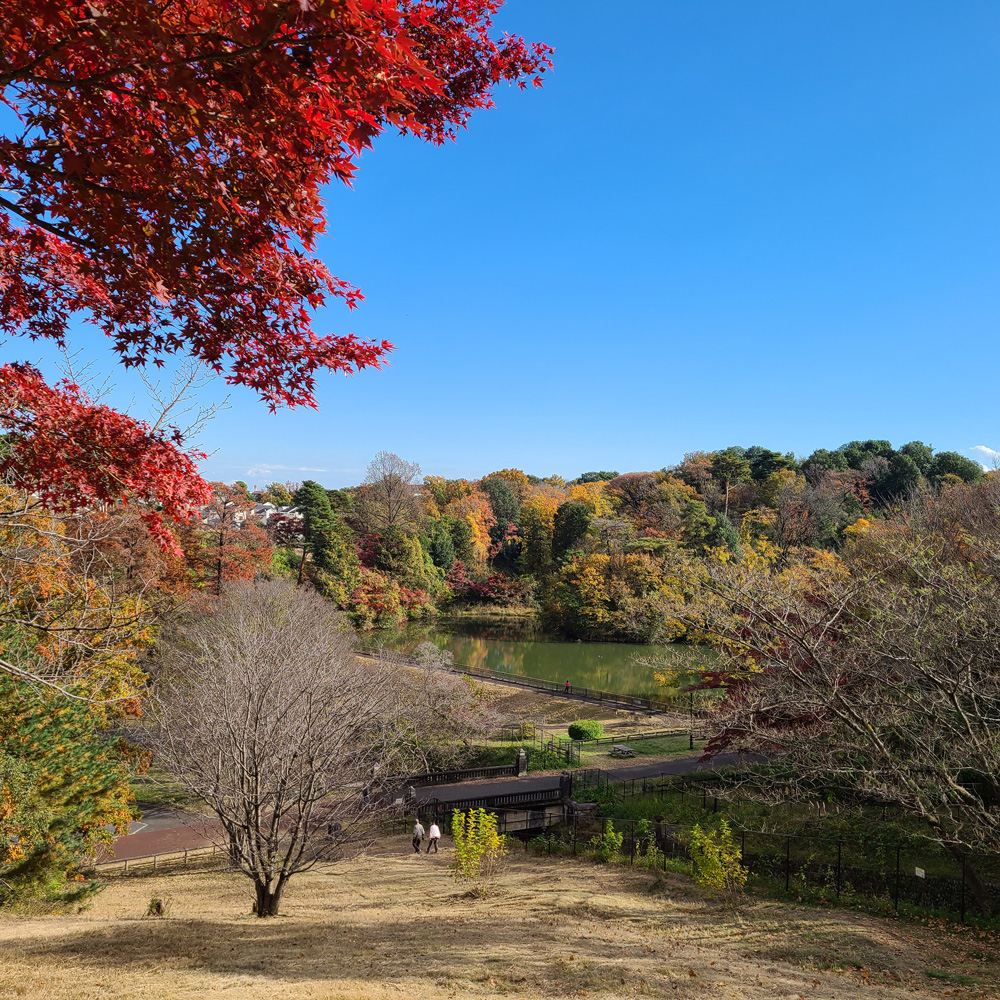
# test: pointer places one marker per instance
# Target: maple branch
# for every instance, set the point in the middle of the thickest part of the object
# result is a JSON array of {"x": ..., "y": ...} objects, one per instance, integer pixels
[{"x": 48, "y": 226}]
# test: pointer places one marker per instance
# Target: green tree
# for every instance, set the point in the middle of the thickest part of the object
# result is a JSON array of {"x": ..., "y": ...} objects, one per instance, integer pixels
[
  {"x": 764, "y": 462},
  {"x": 506, "y": 507},
  {"x": 921, "y": 453},
  {"x": 822, "y": 461},
  {"x": 64, "y": 790},
  {"x": 858, "y": 452},
  {"x": 461, "y": 537},
  {"x": 335, "y": 570},
  {"x": 318, "y": 521},
  {"x": 597, "y": 477},
  {"x": 725, "y": 534},
  {"x": 899, "y": 480},
  {"x": 950, "y": 463},
  {"x": 442, "y": 546},
  {"x": 569, "y": 528},
  {"x": 730, "y": 466}
]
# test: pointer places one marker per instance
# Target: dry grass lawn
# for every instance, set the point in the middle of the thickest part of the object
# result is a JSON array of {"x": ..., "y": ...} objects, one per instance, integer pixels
[{"x": 396, "y": 925}]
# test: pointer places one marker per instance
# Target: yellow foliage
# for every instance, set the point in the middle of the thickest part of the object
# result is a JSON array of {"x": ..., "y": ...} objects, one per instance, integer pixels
[
  {"x": 60, "y": 618},
  {"x": 593, "y": 496},
  {"x": 860, "y": 527},
  {"x": 476, "y": 510}
]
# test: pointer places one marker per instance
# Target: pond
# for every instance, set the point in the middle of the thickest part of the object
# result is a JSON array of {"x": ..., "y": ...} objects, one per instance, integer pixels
[{"x": 518, "y": 647}]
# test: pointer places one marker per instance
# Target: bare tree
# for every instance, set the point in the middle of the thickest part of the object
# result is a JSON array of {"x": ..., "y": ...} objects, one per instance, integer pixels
[
  {"x": 265, "y": 712},
  {"x": 388, "y": 497},
  {"x": 448, "y": 712},
  {"x": 877, "y": 674}
]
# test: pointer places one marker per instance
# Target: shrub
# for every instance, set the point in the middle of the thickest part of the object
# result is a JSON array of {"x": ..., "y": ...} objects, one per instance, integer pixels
[
  {"x": 607, "y": 847},
  {"x": 586, "y": 730},
  {"x": 716, "y": 860},
  {"x": 159, "y": 906},
  {"x": 479, "y": 849}
]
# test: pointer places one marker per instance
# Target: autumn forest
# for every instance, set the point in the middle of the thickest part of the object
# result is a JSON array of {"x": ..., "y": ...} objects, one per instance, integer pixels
[{"x": 604, "y": 556}]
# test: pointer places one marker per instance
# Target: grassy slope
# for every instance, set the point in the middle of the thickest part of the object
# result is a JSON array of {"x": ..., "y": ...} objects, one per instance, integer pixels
[{"x": 397, "y": 925}]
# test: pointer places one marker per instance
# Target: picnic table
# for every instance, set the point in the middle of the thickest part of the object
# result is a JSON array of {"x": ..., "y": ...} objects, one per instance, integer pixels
[{"x": 620, "y": 750}]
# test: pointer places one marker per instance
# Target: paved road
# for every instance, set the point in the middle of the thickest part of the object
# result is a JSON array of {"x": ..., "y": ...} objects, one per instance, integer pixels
[
  {"x": 163, "y": 830},
  {"x": 161, "y": 818}
]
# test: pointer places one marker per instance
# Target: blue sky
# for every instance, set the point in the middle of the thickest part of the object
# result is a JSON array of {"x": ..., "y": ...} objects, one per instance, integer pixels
[{"x": 719, "y": 222}]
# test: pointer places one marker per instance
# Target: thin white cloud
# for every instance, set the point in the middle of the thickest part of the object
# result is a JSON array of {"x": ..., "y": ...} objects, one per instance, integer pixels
[
  {"x": 266, "y": 470},
  {"x": 993, "y": 457}
]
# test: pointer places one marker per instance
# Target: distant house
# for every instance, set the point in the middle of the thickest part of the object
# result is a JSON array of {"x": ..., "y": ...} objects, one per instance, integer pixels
[{"x": 262, "y": 513}]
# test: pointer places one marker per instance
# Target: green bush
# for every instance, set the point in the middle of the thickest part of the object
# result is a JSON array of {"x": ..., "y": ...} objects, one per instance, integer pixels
[
  {"x": 479, "y": 849},
  {"x": 608, "y": 846},
  {"x": 716, "y": 859},
  {"x": 586, "y": 730}
]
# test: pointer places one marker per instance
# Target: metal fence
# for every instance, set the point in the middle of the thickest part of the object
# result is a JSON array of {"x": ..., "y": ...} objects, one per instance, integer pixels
[
  {"x": 452, "y": 777},
  {"x": 536, "y": 737},
  {"x": 887, "y": 866},
  {"x": 687, "y": 705}
]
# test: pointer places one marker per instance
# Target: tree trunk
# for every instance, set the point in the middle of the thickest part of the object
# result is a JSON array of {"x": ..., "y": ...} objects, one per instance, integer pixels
[
  {"x": 302, "y": 563},
  {"x": 727, "y": 498},
  {"x": 972, "y": 879},
  {"x": 268, "y": 897},
  {"x": 218, "y": 578},
  {"x": 959, "y": 853}
]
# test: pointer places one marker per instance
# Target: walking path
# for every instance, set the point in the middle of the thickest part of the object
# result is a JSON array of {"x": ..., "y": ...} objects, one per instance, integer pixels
[
  {"x": 162, "y": 831},
  {"x": 544, "y": 782},
  {"x": 635, "y": 703}
]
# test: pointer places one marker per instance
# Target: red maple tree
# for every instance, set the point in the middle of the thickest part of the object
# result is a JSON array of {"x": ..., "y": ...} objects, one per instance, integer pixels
[{"x": 164, "y": 181}]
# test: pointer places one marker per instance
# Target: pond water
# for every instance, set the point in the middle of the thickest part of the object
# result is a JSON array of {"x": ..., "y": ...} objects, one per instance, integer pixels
[{"x": 518, "y": 647}]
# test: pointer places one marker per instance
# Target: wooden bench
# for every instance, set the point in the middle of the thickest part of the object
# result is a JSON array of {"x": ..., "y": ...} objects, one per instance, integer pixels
[{"x": 619, "y": 750}]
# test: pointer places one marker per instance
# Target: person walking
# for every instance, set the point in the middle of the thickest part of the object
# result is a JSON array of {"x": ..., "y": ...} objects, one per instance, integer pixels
[
  {"x": 418, "y": 836},
  {"x": 567, "y": 687},
  {"x": 433, "y": 836}
]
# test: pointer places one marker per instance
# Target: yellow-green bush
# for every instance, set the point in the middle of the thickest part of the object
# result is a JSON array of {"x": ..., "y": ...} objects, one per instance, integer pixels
[
  {"x": 479, "y": 849},
  {"x": 717, "y": 862}
]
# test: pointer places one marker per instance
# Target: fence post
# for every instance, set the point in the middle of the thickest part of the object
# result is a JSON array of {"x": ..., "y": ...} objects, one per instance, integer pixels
[
  {"x": 574, "y": 834},
  {"x": 895, "y": 894},
  {"x": 962, "y": 918},
  {"x": 154, "y": 862},
  {"x": 838, "y": 868},
  {"x": 788, "y": 863},
  {"x": 185, "y": 855},
  {"x": 631, "y": 853}
]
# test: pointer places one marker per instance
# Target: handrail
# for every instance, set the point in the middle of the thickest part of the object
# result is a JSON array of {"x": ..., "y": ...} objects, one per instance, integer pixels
[{"x": 554, "y": 687}]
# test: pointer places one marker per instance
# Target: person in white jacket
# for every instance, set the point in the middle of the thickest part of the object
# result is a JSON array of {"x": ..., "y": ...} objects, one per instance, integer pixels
[{"x": 433, "y": 836}]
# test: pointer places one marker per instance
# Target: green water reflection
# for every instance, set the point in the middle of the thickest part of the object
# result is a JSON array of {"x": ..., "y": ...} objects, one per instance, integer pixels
[{"x": 516, "y": 648}]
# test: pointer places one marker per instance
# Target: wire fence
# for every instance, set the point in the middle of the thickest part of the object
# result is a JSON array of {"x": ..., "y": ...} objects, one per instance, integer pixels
[{"x": 886, "y": 864}]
